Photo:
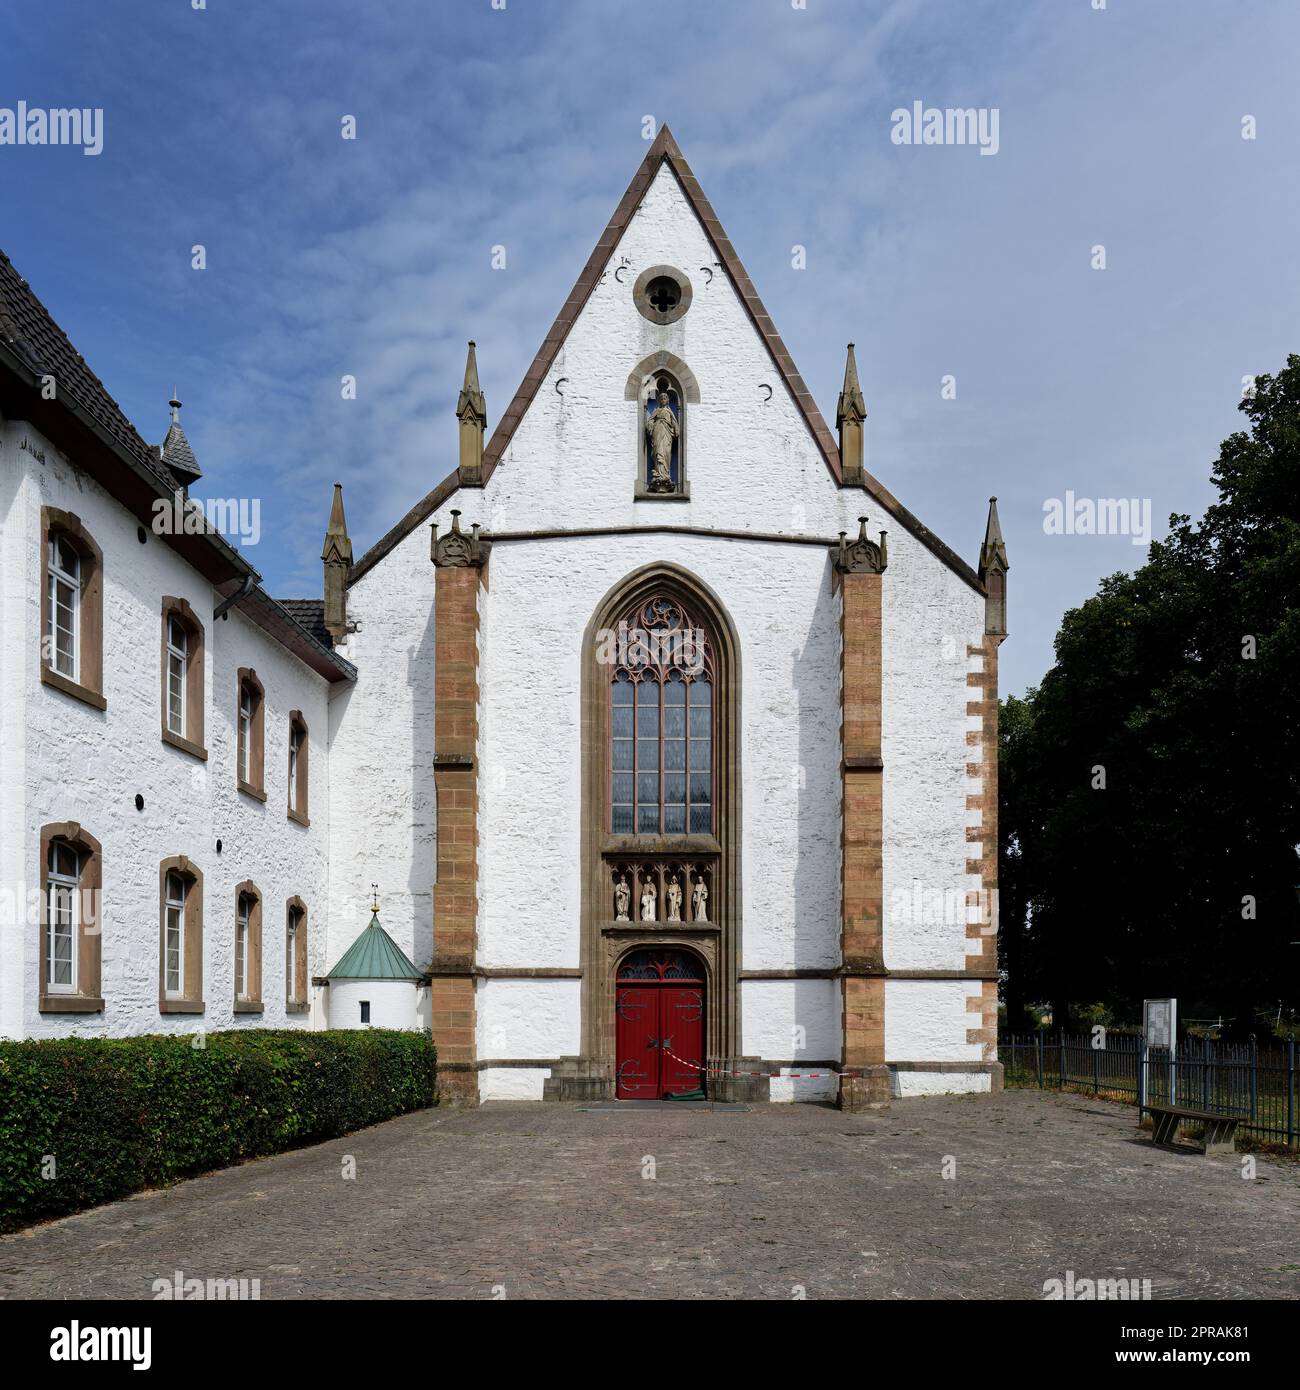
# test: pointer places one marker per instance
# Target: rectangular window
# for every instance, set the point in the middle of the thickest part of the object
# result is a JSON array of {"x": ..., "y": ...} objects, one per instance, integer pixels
[
  {"x": 647, "y": 758},
  {"x": 674, "y": 758},
  {"x": 241, "y": 948},
  {"x": 61, "y": 936},
  {"x": 365, "y": 1011},
  {"x": 177, "y": 653},
  {"x": 299, "y": 752},
  {"x": 291, "y": 957},
  {"x": 701, "y": 757},
  {"x": 245, "y": 732},
  {"x": 64, "y": 608},
  {"x": 295, "y": 748},
  {"x": 174, "y": 937},
  {"x": 623, "y": 773}
]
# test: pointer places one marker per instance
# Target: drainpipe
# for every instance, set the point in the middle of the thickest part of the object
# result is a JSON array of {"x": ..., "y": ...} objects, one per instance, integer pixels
[{"x": 242, "y": 592}]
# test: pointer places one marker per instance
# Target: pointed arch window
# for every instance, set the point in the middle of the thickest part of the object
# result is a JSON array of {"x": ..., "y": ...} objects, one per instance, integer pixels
[
  {"x": 661, "y": 791},
  {"x": 662, "y": 690}
]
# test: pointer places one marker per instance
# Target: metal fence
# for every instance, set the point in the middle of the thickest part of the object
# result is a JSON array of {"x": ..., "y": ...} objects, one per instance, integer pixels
[{"x": 1258, "y": 1085}]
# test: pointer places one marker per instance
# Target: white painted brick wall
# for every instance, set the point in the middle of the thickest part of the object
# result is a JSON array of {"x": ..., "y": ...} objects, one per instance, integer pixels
[
  {"x": 751, "y": 465},
  {"x": 72, "y": 762}
]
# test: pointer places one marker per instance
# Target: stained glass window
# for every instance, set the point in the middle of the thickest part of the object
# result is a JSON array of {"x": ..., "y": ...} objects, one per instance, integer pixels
[{"x": 661, "y": 723}]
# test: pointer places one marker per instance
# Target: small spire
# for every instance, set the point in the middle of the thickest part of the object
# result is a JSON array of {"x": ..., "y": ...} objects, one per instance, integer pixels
[
  {"x": 850, "y": 414},
  {"x": 993, "y": 553},
  {"x": 471, "y": 400},
  {"x": 471, "y": 411},
  {"x": 851, "y": 395},
  {"x": 374, "y": 898},
  {"x": 175, "y": 449},
  {"x": 338, "y": 544},
  {"x": 993, "y": 568},
  {"x": 336, "y": 556}
]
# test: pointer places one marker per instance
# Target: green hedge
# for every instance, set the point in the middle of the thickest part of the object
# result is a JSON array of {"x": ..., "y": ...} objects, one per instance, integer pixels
[{"x": 121, "y": 1114}]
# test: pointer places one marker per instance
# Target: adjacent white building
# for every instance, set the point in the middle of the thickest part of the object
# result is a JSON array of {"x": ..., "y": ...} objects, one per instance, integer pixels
[{"x": 689, "y": 772}]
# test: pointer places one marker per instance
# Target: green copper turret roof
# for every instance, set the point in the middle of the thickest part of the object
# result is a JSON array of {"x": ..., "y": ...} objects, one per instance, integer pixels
[{"x": 374, "y": 955}]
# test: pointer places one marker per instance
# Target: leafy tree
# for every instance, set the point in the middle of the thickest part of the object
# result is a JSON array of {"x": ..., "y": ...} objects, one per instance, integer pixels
[{"x": 1150, "y": 785}]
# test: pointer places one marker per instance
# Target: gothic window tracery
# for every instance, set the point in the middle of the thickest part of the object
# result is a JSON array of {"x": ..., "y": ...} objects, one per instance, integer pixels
[
  {"x": 661, "y": 723},
  {"x": 660, "y": 965}
]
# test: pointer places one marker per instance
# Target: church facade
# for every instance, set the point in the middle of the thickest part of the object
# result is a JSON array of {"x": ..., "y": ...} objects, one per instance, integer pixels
[{"x": 674, "y": 783}]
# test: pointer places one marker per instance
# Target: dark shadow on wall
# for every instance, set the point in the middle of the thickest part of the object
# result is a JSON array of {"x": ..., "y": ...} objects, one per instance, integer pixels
[
  {"x": 416, "y": 785},
  {"x": 815, "y": 789}
]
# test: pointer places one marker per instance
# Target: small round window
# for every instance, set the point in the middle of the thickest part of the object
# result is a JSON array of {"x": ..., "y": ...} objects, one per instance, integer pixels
[{"x": 662, "y": 294}]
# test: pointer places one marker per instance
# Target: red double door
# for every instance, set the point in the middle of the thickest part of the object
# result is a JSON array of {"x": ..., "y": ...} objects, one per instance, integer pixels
[{"x": 660, "y": 1026}]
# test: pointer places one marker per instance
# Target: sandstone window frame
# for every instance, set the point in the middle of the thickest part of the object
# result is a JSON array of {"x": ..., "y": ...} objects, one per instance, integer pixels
[
  {"x": 87, "y": 684},
  {"x": 718, "y": 937},
  {"x": 190, "y": 739},
  {"x": 299, "y": 770},
  {"x": 85, "y": 996},
  {"x": 295, "y": 956},
  {"x": 250, "y": 741},
  {"x": 188, "y": 999},
  {"x": 248, "y": 924}
]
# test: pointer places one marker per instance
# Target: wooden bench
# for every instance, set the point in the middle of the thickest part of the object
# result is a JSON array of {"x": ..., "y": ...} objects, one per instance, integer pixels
[{"x": 1218, "y": 1134}]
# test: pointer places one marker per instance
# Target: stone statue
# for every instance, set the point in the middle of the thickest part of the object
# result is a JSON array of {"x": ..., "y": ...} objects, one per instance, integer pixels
[
  {"x": 673, "y": 897},
  {"x": 648, "y": 896},
  {"x": 622, "y": 898},
  {"x": 661, "y": 426},
  {"x": 700, "y": 900}
]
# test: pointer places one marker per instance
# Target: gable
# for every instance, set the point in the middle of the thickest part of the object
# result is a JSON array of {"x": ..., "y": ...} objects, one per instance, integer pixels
[
  {"x": 662, "y": 157},
  {"x": 569, "y": 435}
]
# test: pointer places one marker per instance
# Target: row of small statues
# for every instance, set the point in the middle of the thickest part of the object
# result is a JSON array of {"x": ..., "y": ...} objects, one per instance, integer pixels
[{"x": 672, "y": 897}]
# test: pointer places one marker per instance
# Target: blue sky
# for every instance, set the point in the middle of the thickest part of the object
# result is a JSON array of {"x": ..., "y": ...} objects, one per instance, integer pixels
[{"x": 478, "y": 126}]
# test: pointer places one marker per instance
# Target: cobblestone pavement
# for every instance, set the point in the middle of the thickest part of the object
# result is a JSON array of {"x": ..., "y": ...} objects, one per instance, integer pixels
[{"x": 550, "y": 1201}]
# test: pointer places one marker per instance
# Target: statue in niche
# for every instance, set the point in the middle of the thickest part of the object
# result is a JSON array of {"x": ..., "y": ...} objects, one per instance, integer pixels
[
  {"x": 700, "y": 900},
  {"x": 622, "y": 899},
  {"x": 648, "y": 896},
  {"x": 661, "y": 427},
  {"x": 673, "y": 897}
]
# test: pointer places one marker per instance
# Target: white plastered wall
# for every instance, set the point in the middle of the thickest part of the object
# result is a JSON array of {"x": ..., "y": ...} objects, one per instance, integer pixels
[
  {"x": 752, "y": 465},
  {"x": 64, "y": 760}
]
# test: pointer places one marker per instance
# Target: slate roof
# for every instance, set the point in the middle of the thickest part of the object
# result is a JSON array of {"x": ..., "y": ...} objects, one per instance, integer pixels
[
  {"x": 374, "y": 955},
  {"x": 310, "y": 614},
  {"x": 27, "y": 327},
  {"x": 177, "y": 454},
  {"x": 30, "y": 338}
]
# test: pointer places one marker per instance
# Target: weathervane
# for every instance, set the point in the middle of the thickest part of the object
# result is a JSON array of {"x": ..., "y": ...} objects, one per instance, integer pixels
[{"x": 374, "y": 895}]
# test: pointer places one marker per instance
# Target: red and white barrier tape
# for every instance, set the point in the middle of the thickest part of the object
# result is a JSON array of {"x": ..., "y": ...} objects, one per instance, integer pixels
[{"x": 771, "y": 1075}]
